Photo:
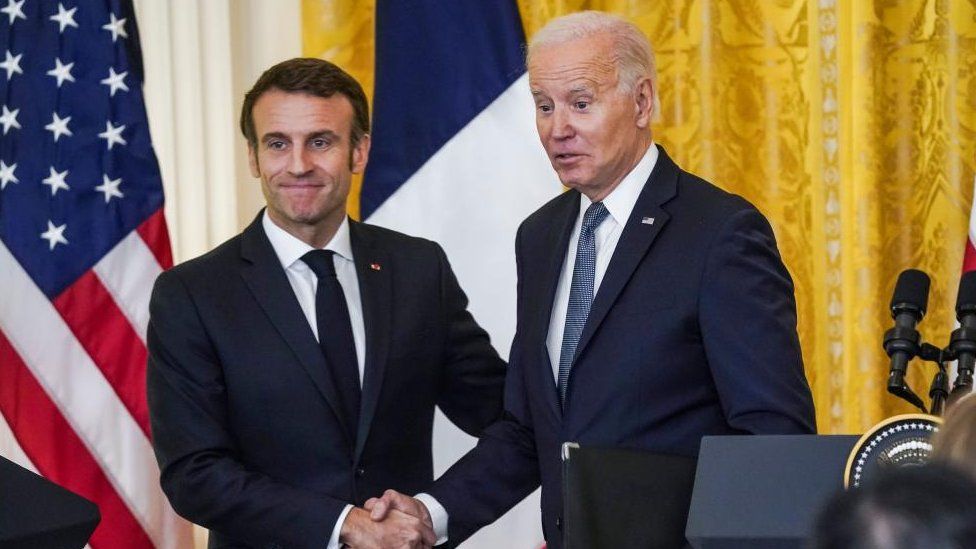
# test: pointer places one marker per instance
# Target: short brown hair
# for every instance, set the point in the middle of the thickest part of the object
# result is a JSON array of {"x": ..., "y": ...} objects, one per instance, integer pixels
[{"x": 315, "y": 77}]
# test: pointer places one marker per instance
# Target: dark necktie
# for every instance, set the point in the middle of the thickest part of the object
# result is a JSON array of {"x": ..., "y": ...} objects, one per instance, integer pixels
[
  {"x": 335, "y": 334},
  {"x": 580, "y": 292}
]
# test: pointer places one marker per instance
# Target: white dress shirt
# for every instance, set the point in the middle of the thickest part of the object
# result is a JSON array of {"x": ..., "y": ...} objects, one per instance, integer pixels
[
  {"x": 620, "y": 202},
  {"x": 304, "y": 283}
]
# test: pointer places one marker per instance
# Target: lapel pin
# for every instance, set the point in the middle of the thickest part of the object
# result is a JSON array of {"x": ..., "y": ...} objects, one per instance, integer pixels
[
  {"x": 647, "y": 220},
  {"x": 375, "y": 266}
]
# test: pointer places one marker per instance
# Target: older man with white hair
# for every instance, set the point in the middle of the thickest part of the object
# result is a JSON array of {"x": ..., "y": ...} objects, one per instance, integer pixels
[{"x": 653, "y": 307}]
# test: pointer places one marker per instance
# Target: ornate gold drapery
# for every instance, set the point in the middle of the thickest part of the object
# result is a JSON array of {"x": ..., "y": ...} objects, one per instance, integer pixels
[
  {"x": 850, "y": 123},
  {"x": 343, "y": 32}
]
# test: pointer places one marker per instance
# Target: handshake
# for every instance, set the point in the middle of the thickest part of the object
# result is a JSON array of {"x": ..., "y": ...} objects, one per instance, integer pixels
[{"x": 393, "y": 521}]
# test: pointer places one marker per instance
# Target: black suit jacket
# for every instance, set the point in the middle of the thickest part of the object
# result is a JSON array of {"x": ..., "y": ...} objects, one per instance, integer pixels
[
  {"x": 692, "y": 332},
  {"x": 246, "y": 422}
]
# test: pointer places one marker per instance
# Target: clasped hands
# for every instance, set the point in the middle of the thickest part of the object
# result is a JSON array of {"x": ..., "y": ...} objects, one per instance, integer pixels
[{"x": 393, "y": 521}]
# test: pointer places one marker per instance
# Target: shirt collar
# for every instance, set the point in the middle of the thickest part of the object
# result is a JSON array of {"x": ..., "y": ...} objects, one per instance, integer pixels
[
  {"x": 290, "y": 249},
  {"x": 621, "y": 201}
]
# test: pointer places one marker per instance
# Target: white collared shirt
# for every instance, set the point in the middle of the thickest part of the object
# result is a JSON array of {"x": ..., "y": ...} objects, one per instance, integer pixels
[
  {"x": 304, "y": 283},
  {"x": 620, "y": 203},
  {"x": 290, "y": 250}
]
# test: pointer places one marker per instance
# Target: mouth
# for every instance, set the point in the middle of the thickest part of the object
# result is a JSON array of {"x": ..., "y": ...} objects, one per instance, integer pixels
[
  {"x": 300, "y": 185},
  {"x": 566, "y": 158}
]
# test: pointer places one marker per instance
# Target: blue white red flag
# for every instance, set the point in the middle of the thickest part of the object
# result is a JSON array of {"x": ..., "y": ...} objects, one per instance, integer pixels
[{"x": 455, "y": 158}]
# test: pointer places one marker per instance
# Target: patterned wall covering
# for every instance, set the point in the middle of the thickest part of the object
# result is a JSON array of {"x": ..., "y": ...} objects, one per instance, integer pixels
[{"x": 850, "y": 123}]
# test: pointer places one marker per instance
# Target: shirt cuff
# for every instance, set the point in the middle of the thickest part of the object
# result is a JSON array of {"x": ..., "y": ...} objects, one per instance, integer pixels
[
  {"x": 334, "y": 540},
  {"x": 438, "y": 516}
]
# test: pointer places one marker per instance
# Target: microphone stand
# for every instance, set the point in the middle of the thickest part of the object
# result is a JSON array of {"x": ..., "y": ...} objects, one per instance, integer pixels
[
  {"x": 939, "y": 390},
  {"x": 903, "y": 342},
  {"x": 963, "y": 340},
  {"x": 962, "y": 387},
  {"x": 902, "y": 339}
]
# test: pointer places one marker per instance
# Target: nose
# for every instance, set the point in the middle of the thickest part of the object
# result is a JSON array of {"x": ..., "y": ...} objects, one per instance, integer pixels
[
  {"x": 562, "y": 124},
  {"x": 299, "y": 163}
]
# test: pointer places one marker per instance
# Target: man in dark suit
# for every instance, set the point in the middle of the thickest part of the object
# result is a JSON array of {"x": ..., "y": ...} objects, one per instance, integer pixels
[
  {"x": 294, "y": 370},
  {"x": 653, "y": 307}
]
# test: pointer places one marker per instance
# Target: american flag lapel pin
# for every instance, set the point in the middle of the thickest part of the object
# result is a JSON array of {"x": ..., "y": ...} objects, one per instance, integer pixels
[
  {"x": 376, "y": 266},
  {"x": 647, "y": 220}
]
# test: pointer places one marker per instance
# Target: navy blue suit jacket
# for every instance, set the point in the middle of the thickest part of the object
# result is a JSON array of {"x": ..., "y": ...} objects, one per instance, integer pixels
[
  {"x": 246, "y": 422},
  {"x": 692, "y": 332}
]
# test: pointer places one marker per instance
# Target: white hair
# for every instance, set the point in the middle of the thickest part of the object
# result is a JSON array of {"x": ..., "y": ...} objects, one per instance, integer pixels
[{"x": 631, "y": 49}]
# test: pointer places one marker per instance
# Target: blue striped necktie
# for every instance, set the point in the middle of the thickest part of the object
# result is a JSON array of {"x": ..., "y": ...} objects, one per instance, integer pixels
[{"x": 580, "y": 292}]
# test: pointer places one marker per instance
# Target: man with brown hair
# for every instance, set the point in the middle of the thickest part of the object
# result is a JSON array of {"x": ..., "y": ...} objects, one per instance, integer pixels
[{"x": 294, "y": 370}]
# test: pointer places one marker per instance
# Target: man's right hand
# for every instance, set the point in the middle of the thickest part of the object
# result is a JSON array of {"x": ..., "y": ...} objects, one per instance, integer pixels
[
  {"x": 392, "y": 500},
  {"x": 397, "y": 530}
]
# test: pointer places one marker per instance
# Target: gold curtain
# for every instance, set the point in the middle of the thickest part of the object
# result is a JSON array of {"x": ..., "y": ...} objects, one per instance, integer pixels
[
  {"x": 850, "y": 123},
  {"x": 342, "y": 31}
]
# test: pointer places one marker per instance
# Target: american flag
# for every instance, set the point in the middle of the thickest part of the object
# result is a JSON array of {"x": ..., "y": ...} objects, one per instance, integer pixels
[
  {"x": 82, "y": 238},
  {"x": 969, "y": 257}
]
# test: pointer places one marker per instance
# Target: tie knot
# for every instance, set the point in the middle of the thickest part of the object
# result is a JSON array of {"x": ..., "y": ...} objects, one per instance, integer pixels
[
  {"x": 595, "y": 214},
  {"x": 320, "y": 261}
]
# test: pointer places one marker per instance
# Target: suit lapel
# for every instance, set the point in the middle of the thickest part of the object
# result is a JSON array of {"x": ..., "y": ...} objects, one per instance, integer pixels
[
  {"x": 635, "y": 240},
  {"x": 269, "y": 284},
  {"x": 375, "y": 289},
  {"x": 544, "y": 289}
]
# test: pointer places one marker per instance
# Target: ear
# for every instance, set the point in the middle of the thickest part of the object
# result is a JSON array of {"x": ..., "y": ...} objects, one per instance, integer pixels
[
  {"x": 252, "y": 161},
  {"x": 644, "y": 103},
  {"x": 360, "y": 154}
]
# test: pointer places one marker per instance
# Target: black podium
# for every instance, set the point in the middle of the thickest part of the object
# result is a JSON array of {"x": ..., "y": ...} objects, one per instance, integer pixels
[
  {"x": 608, "y": 492},
  {"x": 35, "y": 513},
  {"x": 763, "y": 491}
]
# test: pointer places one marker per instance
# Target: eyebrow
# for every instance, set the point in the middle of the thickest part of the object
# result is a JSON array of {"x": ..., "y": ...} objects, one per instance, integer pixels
[
  {"x": 328, "y": 134},
  {"x": 581, "y": 88}
]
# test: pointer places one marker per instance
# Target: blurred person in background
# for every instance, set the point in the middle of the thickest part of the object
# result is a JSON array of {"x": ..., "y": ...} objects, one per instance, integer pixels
[
  {"x": 956, "y": 441},
  {"x": 927, "y": 507}
]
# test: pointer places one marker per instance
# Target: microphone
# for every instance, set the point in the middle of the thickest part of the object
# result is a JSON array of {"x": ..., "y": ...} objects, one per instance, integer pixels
[
  {"x": 901, "y": 343},
  {"x": 962, "y": 343}
]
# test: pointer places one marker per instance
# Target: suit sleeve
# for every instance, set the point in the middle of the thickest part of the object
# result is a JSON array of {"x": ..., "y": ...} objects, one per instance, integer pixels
[
  {"x": 748, "y": 324},
  {"x": 502, "y": 469},
  {"x": 201, "y": 472},
  {"x": 473, "y": 376}
]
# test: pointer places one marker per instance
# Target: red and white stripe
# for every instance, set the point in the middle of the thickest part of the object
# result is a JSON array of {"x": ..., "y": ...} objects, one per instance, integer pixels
[
  {"x": 73, "y": 398},
  {"x": 969, "y": 258}
]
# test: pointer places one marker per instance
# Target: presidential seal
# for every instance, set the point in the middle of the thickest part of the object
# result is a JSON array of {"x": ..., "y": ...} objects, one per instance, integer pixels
[{"x": 899, "y": 441}]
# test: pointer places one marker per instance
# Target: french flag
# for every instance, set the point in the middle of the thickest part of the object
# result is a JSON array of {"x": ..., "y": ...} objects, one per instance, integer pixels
[{"x": 455, "y": 158}]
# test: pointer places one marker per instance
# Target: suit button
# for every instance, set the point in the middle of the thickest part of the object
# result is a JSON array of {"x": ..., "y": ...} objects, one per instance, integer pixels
[
  {"x": 559, "y": 523},
  {"x": 360, "y": 472}
]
